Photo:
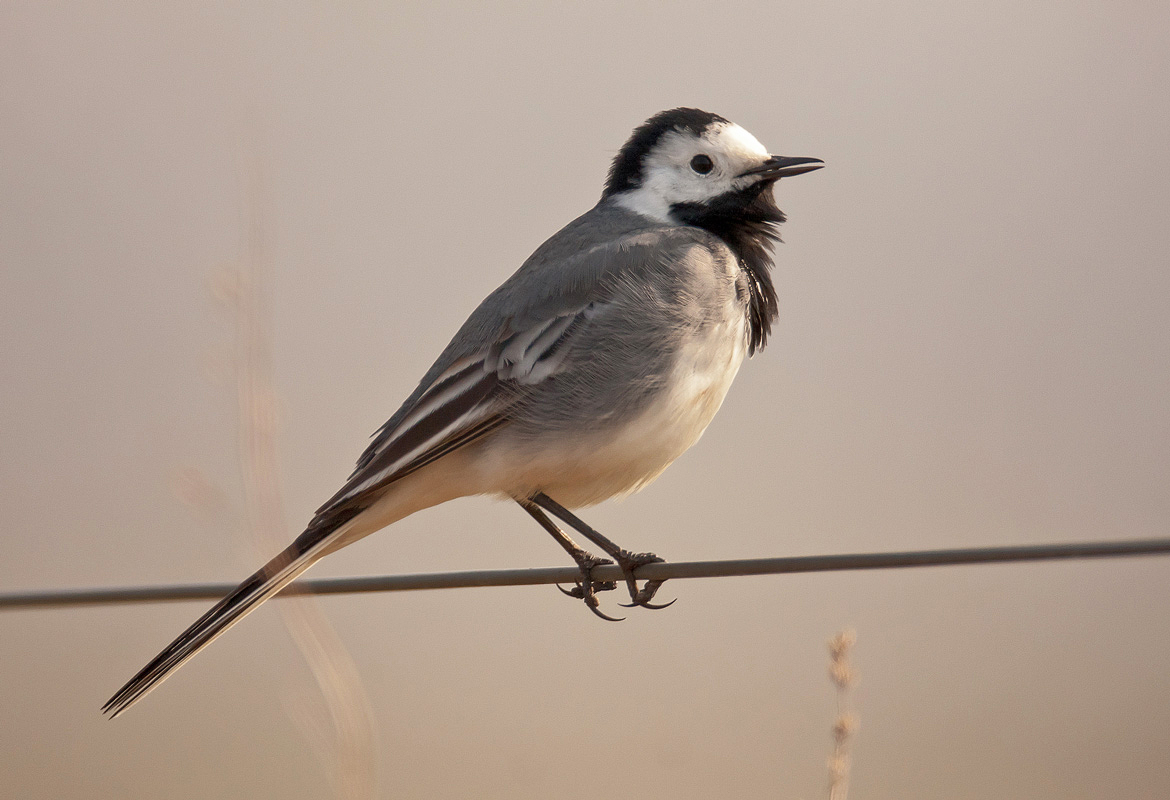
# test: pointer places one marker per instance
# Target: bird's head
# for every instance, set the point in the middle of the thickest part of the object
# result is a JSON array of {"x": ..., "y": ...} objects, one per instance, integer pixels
[{"x": 685, "y": 164}]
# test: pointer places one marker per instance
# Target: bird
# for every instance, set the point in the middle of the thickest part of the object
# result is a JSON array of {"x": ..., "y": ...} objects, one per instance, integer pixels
[{"x": 582, "y": 377}]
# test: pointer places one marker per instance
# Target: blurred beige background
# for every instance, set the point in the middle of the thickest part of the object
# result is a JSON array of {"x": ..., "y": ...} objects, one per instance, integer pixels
[{"x": 972, "y": 350}]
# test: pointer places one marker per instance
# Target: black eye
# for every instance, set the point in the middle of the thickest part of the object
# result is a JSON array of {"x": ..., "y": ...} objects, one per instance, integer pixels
[{"x": 702, "y": 163}]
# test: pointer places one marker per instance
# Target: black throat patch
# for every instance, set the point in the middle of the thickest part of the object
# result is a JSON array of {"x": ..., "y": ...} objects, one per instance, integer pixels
[{"x": 747, "y": 221}]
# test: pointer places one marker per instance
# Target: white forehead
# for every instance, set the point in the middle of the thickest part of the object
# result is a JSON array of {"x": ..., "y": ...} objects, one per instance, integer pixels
[{"x": 734, "y": 140}]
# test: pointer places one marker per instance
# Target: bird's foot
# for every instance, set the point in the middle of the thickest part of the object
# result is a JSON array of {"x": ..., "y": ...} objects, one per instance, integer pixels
[
  {"x": 587, "y": 588},
  {"x": 628, "y": 562}
]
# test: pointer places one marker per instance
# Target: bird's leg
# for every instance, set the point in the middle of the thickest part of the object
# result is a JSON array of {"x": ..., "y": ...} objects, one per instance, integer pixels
[
  {"x": 586, "y": 589},
  {"x": 627, "y": 561}
]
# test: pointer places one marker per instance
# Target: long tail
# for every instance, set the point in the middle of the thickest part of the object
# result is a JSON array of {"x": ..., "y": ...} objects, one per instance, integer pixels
[{"x": 263, "y": 584}]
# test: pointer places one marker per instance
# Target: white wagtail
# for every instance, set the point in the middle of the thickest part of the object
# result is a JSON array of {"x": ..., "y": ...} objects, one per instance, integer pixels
[{"x": 583, "y": 376}]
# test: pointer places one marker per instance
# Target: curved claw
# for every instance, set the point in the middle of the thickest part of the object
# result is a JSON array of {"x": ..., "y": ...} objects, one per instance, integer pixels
[
  {"x": 642, "y": 597},
  {"x": 658, "y": 606},
  {"x": 649, "y": 605},
  {"x": 603, "y": 615},
  {"x": 587, "y": 588}
]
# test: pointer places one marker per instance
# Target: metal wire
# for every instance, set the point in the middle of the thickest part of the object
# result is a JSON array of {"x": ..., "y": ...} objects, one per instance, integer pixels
[{"x": 662, "y": 571}]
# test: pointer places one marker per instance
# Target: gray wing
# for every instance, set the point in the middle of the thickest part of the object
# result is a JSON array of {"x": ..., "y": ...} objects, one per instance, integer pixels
[{"x": 511, "y": 346}]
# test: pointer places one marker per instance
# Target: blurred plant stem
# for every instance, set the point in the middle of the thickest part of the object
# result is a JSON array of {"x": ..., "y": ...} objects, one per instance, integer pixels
[
  {"x": 845, "y": 725},
  {"x": 346, "y": 741}
]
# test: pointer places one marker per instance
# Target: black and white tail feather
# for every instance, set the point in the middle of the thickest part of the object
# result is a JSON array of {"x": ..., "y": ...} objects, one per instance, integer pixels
[{"x": 260, "y": 586}]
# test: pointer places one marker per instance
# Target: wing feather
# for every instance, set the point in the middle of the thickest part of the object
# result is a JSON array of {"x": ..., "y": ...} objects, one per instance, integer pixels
[{"x": 464, "y": 402}]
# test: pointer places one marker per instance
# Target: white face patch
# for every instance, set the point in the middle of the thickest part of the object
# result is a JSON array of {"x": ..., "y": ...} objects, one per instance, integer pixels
[{"x": 667, "y": 176}]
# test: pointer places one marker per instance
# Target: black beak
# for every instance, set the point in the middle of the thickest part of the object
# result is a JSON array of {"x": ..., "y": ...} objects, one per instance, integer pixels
[{"x": 777, "y": 167}]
